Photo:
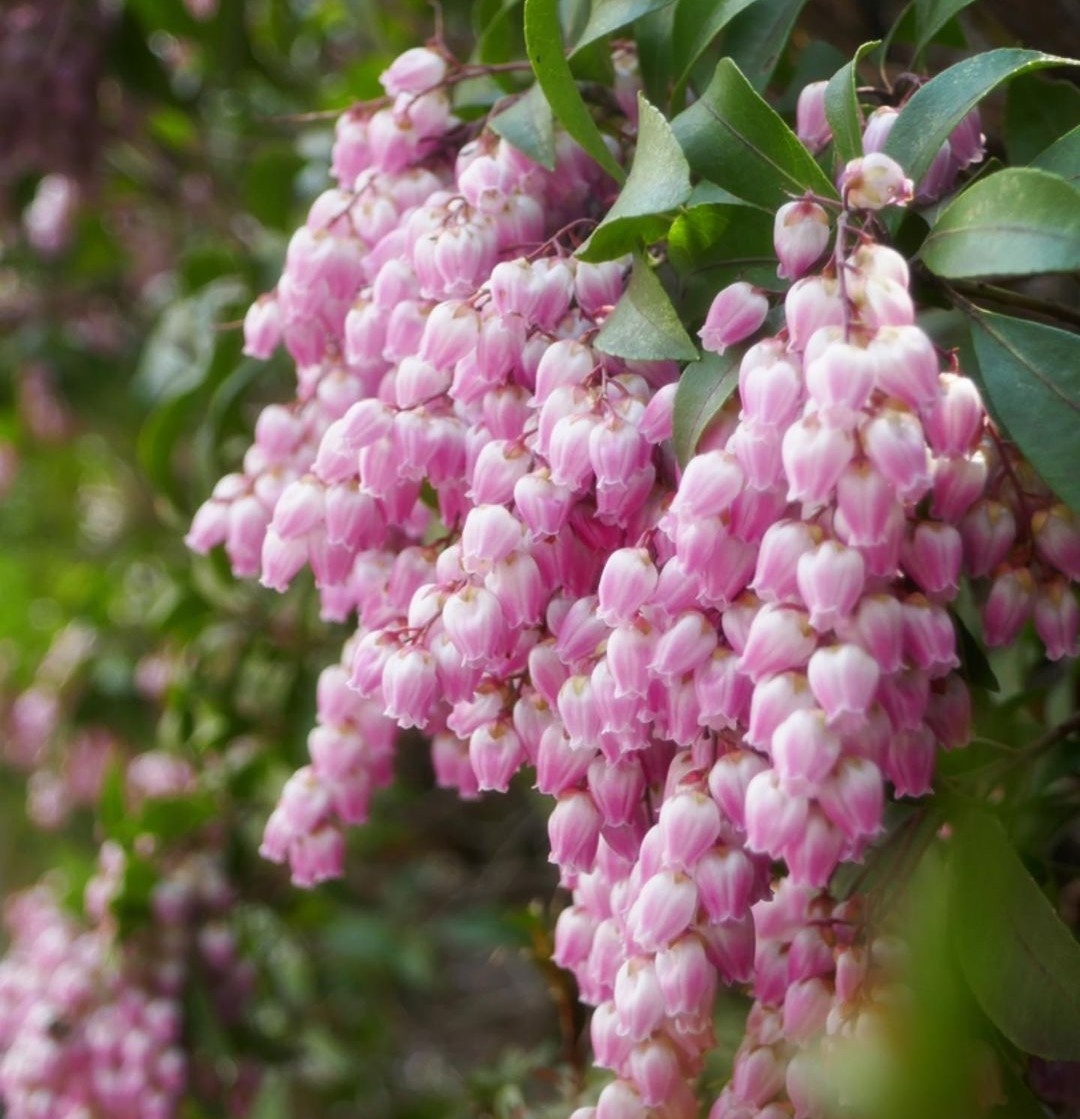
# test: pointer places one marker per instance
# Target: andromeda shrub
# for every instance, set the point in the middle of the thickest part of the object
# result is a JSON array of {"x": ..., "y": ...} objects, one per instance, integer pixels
[{"x": 780, "y": 623}]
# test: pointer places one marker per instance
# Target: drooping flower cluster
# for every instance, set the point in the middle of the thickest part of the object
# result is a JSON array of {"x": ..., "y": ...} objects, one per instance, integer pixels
[
  {"x": 91, "y": 1025},
  {"x": 711, "y": 672}
]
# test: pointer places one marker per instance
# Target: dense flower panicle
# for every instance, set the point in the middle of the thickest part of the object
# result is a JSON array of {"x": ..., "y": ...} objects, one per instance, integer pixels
[
  {"x": 711, "y": 670},
  {"x": 94, "y": 1026}
]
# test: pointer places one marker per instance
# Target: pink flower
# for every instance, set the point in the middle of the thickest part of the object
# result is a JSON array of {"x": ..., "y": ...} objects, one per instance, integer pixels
[{"x": 735, "y": 313}]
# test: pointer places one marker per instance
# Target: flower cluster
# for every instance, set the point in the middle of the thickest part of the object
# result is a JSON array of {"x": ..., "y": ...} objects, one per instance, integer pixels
[
  {"x": 712, "y": 671},
  {"x": 91, "y": 1023}
]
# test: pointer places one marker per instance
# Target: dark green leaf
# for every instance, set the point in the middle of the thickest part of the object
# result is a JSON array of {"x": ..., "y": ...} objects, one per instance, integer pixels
[
  {"x": 653, "y": 34},
  {"x": 704, "y": 388},
  {"x": 931, "y": 16},
  {"x": 500, "y": 38},
  {"x": 607, "y": 16},
  {"x": 974, "y": 664},
  {"x": 1031, "y": 376},
  {"x": 938, "y": 107},
  {"x": 732, "y": 137},
  {"x": 697, "y": 23},
  {"x": 659, "y": 182},
  {"x": 756, "y": 39},
  {"x": 1037, "y": 112},
  {"x": 543, "y": 42},
  {"x": 842, "y": 107},
  {"x": 644, "y": 326},
  {"x": 529, "y": 126},
  {"x": 1021, "y": 962},
  {"x": 1062, "y": 158},
  {"x": 1015, "y": 223}
]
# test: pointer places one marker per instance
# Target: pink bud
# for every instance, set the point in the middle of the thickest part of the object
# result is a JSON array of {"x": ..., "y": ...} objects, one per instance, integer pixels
[
  {"x": 830, "y": 580},
  {"x": 409, "y": 686},
  {"x": 812, "y": 856},
  {"x": 574, "y": 831},
  {"x": 709, "y": 484},
  {"x": 1057, "y": 539},
  {"x": 810, "y": 304},
  {"x": 774, "y": 816},
  {"x": 931, "y": 556},
  {"x": 853, "y": 798},
  {"x": 804, "y": 750},
  {"x": 689, "y": 824},
  {"x": 806, "y": 1006},
  {"x": 811, "y": 124},
  {"x": 638, "y": 998},
  {"x": 929, "y": 636},
  {"x": 800, "y": 235},
  {"x": 770, "y": 384},
  {"x": 1057, "y": 619},
  {"x": 954, "y": 421},
  {"x": 689, "y": 641},
  {"x": 839, "y": 381},
  {"x": 773, "y": 700},
  {"x": 782, "y": 547},
  {"x": 415, "y": 71},
  {"x": 905, "y": 365},
  {"x": 735, "y": 313},
  {"x": 843, "y": 679},
  {"x": 988, "y": 532},
  {"x": 873, "y": 182},
  {"x": 626, "y": 583},
  {"x": 726, "y": 881},
  {"x": 475, "y": 624},
  {"x": 663, "y": 910},
  {"x": 723, "y": 692},
  {"x": 1008, "y": 606},
  {"x": 894, "y": 442},
  {"x": 729, "y": 778},
  {"x": 687, "y": 979},
  {"x": 758, "y": 1074},
  {"x": 815, "y": 455},
  {"x": 496, "y": 754},
  {"x": 780, "y": 638}
]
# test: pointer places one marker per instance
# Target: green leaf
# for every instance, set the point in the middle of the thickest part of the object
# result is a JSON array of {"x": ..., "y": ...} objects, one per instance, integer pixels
[
  {"x": 1031, "y": 376},
  {"x": 178, "y": 354},
  {"x": 1062, "y": 158},
  {"x": 842, "y": 107},
  {"x": 499, "y": 34},
  {"x": 644, "y": 326},
  {"x": 1015, "y": 223},
  {"x": 711, "y": 246},
  {"x": 756, "y": 40},
  {"x": 529, "y": 126},
  {"x": 544, "y": 45},
  {"x": 659, "y": 182},
  {"x": 938, "y": 107},
  {"x": 1037, "y": 112},
  {"x": 732, "y": 137},
  {"x": 653, "y": 34},
  {"x": 1021, "y": 962},
  {"x": 607, "y": 16},
  {"x": 697, "y": 23},
  {"x": 931, "y": 16},
  {"x": 704, "y": 388}
]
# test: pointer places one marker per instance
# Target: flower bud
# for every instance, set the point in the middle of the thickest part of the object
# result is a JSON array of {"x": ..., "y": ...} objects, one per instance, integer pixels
[
  {"x": 736, "y": 312},
  {"x": 800, "y": 235},
  {"x": 874, "y": 182}
]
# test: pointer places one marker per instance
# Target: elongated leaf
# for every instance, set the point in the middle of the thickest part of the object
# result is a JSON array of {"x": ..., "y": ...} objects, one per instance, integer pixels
[
  {"x": 529, "y": 126},
  {"x": 732, "y": 137},
  {"x": 1021, "y": 962},
  {"x": 644, "y": 326},
  {"x": 842, "y": 106},
  {"x": 544, "y": 45},
  {"x": 931, "y": 16},
  {"x": 697, "y": 23},
  {"x": 653, "y": 34},
  {"x": 756, "y": 39},
  {"x": 1037, "y": 112},
  {"x": 607, "y": 16},
  {"x": 1031, "y": 376},
  {"x": 659, "y": 182},
  {"x": 938, "y": 107},
  {"x": 704, "y": 388},
  {"x": 1015, "y": 223},
  {"x": 1062, "y": 158}
]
